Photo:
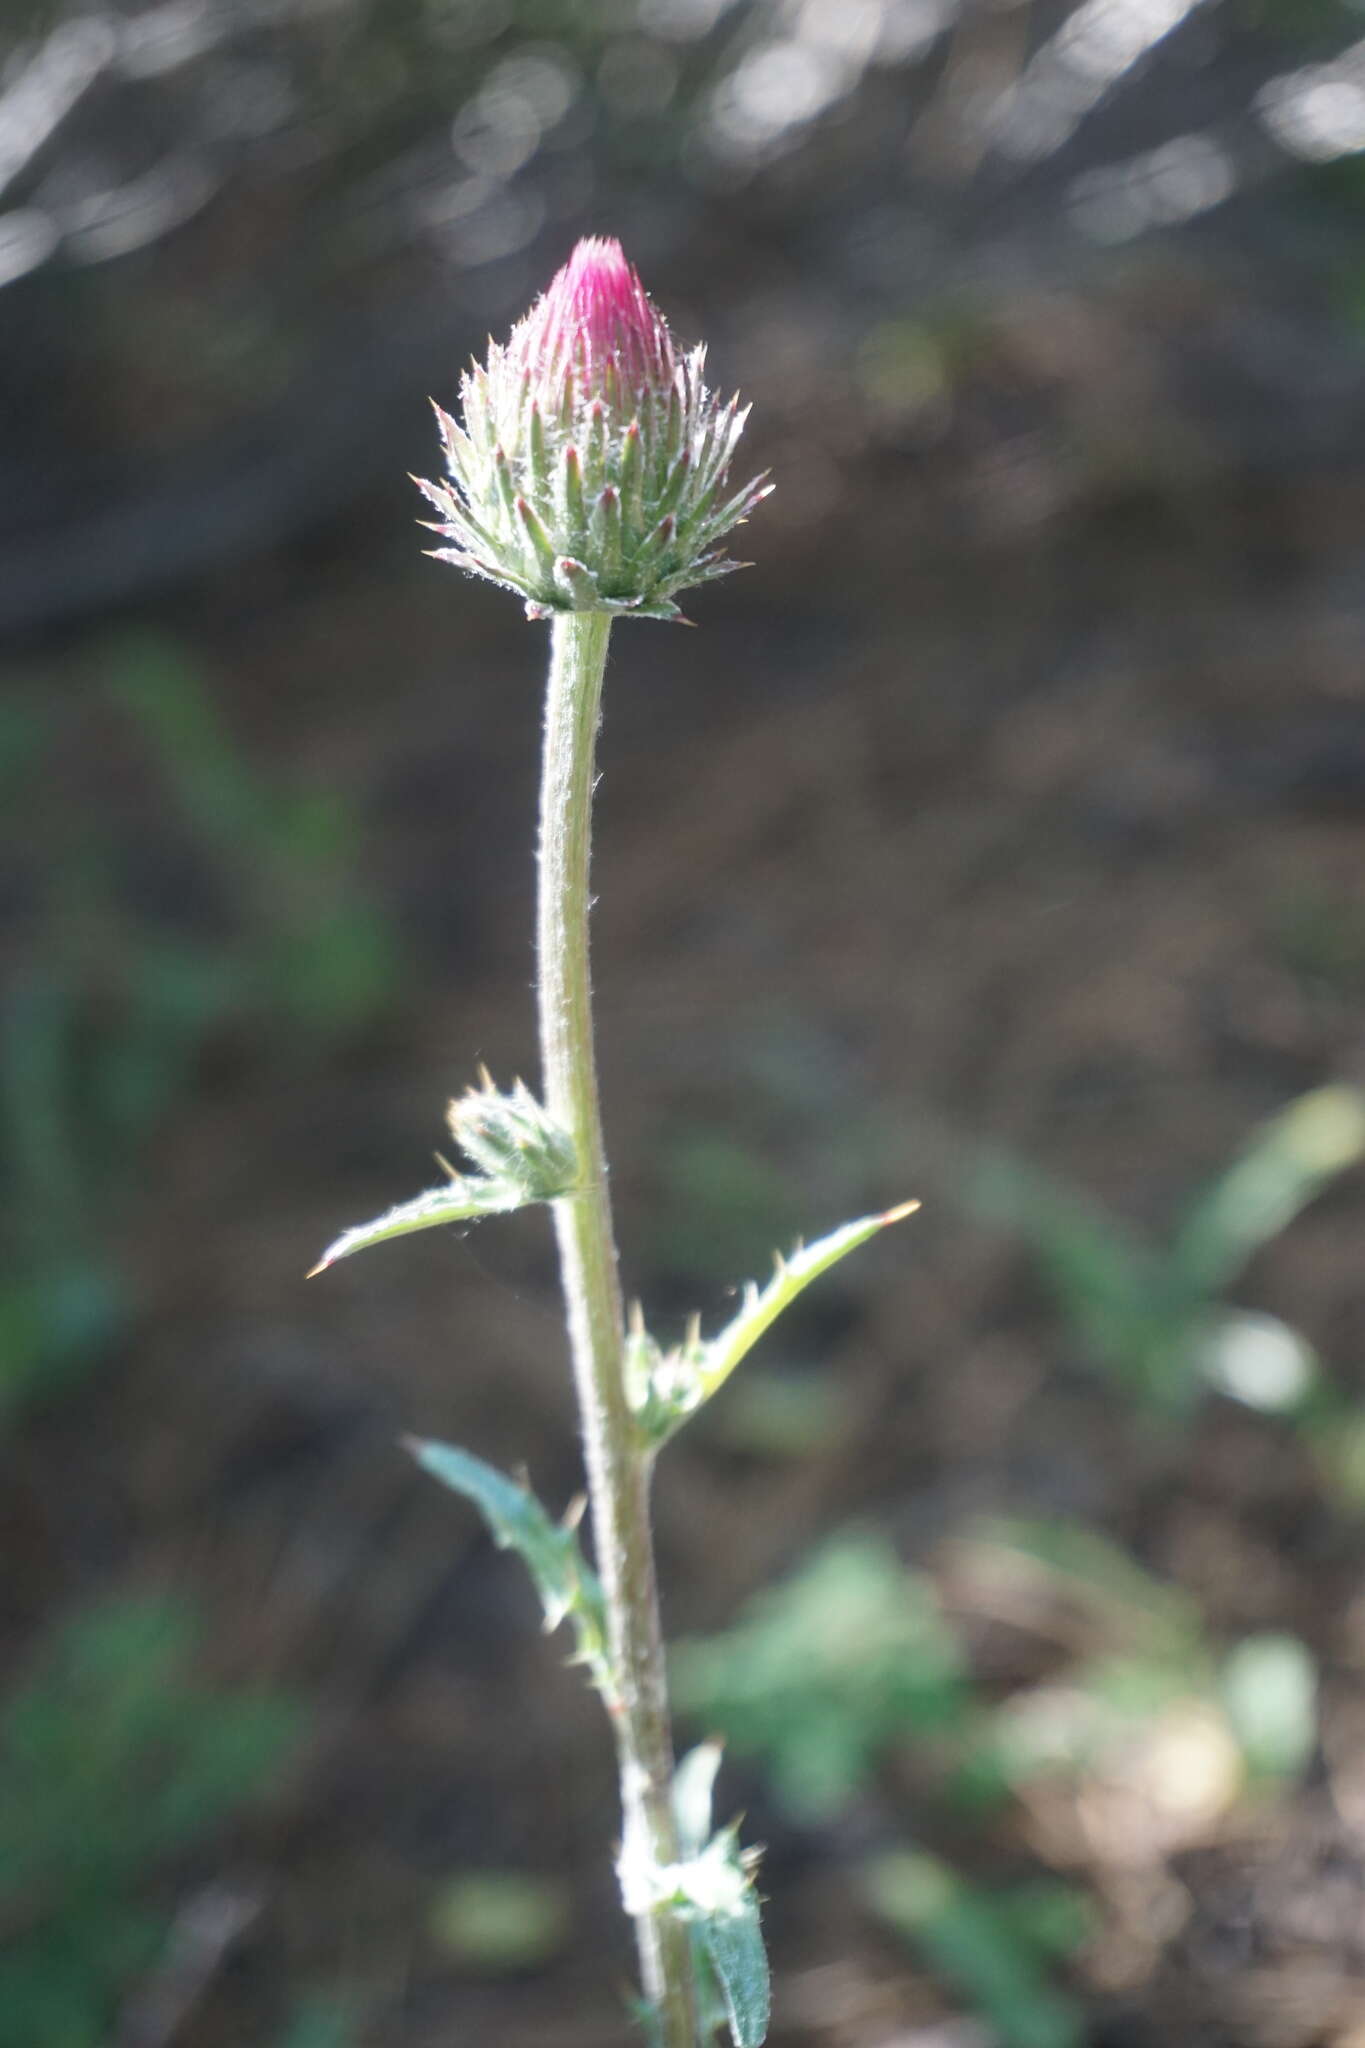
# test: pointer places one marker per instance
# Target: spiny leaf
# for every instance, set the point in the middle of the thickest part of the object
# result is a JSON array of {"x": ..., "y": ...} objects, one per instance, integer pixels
[
  {"x": 790, "y": 1278},
  {"x": 458, "y": 1202},
  {"x": 568, "y": 1587},
  {"x": 522, "y": 1155},
  {"x": 733, "y": 1943},
  {"x": 681, "y": 1381},
  {"x": 711, "y": 1890},
  {"x": 714, "y": 1892}
]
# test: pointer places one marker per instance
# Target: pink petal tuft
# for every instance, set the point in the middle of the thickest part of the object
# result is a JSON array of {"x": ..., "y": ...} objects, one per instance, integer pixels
[{"x": 596, "y": 314}]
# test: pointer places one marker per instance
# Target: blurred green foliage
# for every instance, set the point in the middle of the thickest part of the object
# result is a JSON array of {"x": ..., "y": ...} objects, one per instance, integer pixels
[
  {"x": 996, "y": 1947},
  {"x": 827, "y": 1677},
  {"x": 720, "y": 1206},
  {"x": 1157, "y": 1319},
  {"x": 1141, "y": 1651},
  {"x": 1305, "y": 22},
  {"x": 117, "y": 999},
  {"x": 822, "y": 1672},
  {"x": 1269, "y": 1690},
  {"x": 501, "y": 1922},
  {"x": 777, "y": 1415},
  {"x": 115, "y": 1762},
  {"x": 319, "y": 2023},
  {"x": 307, "y": 948},
  {"x": 1320, "y": 932}
]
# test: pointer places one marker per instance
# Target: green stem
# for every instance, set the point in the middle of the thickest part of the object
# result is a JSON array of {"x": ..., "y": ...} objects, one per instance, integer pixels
[{"x": 618, "y": 1463}]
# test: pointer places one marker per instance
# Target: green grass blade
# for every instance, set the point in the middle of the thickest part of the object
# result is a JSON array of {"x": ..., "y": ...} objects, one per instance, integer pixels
[
  {"x": 1101, "y": 1274},
  {"x": 968, "y": 1941},
  {"x": 1286, "y": 1165}
]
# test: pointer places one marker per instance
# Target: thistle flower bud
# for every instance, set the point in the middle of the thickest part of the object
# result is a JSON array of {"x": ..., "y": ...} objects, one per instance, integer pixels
[
  {"x": 590, "y": 471},
  {"x": 513, "y": 1141}
]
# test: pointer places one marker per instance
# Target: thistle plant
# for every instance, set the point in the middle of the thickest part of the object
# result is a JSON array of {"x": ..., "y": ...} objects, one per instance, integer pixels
[{"x": 589, "y": 473}]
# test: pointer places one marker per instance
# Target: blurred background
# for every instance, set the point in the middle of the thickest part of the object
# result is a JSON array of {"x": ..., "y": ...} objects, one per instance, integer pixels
[{"x": 998, "y": 840}]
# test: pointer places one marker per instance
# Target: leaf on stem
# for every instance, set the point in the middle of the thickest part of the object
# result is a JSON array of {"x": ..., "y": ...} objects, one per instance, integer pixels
[
  {"x": 667, "y": 1387},
  {"x": 568, "y": 1587},
  {"x": 521, "y": 1154},
  {"x": 711, "y": 1889},
  {"x": 460, "y": 1201},
  {"x": 733, "y": 1943},
  {"x": 694, "y": 1783}
]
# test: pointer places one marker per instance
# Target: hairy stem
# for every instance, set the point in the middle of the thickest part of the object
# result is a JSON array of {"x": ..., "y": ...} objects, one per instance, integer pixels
[{"x": 618, "y": 1465}]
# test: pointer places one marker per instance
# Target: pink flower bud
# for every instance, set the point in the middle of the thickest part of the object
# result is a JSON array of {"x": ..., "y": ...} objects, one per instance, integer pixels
[
  {"x": 594, "y": 317},
  {"x": 590, "y": 472}
]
